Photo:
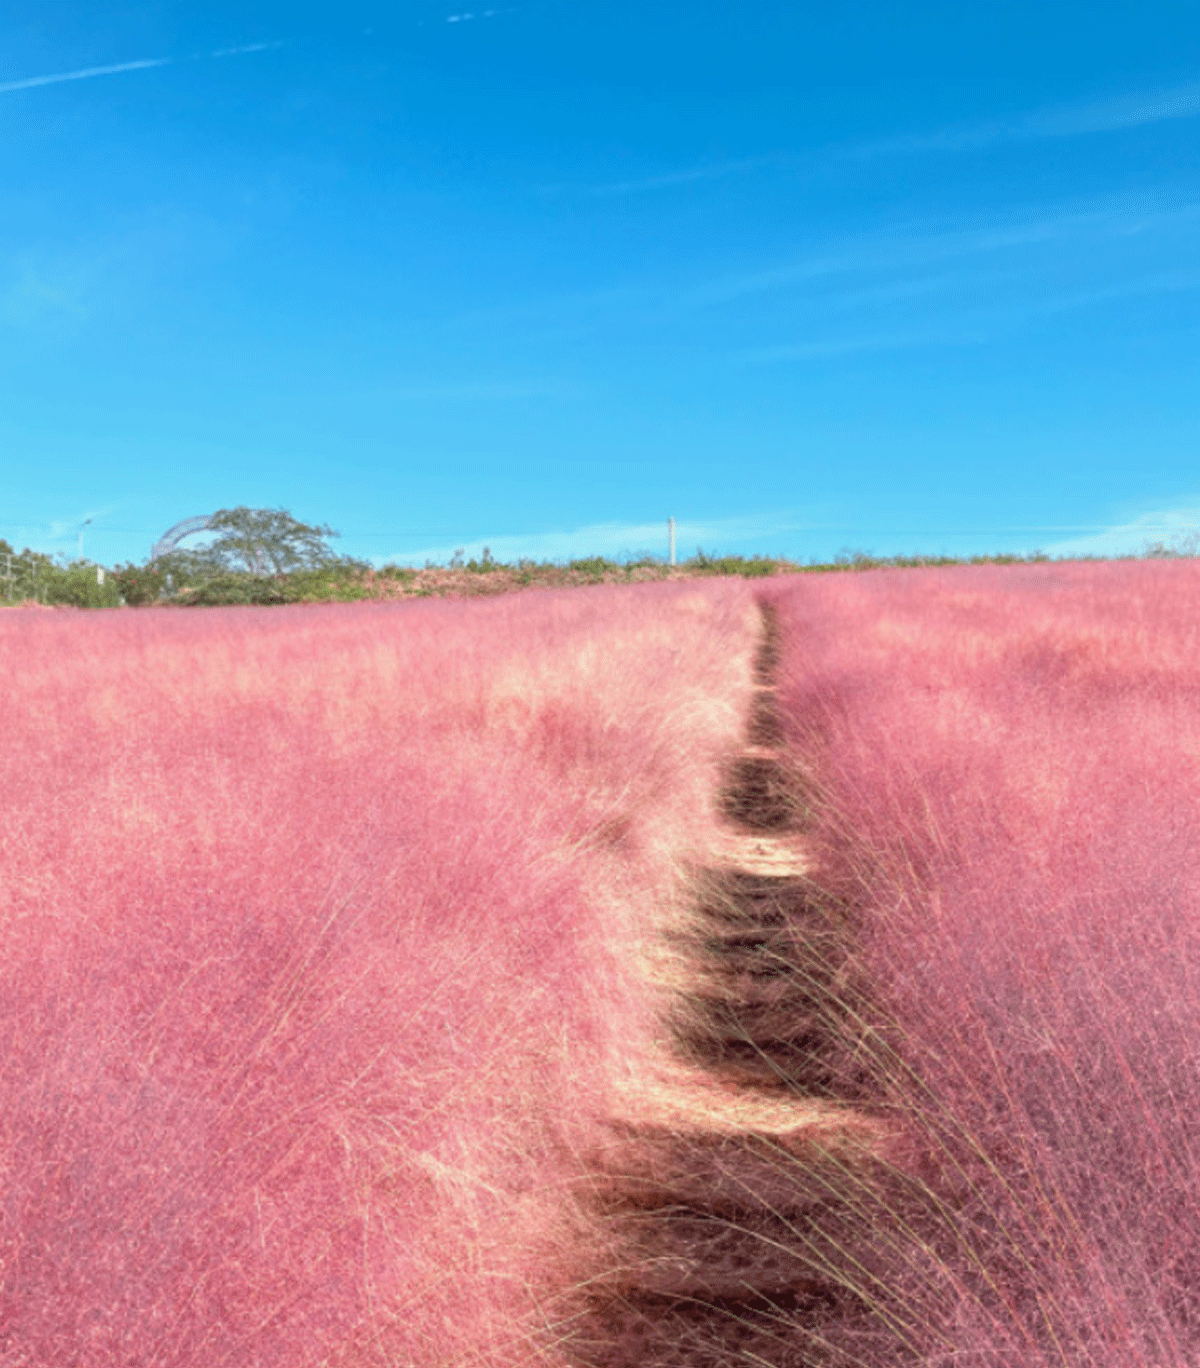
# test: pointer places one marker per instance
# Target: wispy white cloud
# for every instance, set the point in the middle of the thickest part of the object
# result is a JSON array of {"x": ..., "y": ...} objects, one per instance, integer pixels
[
  {"x": 1168, "y": 525},
  {"x": 917, "y": 250},
  {"x": 968, "y": 325},
  {"x": 668, "y": 180},
  {"x": 1153, "y": 283},
  {"x": 1069, "y": 120},
  {"x": 613, "y": 539},
  {"x": 1052, "y": 121},
  {"x": 904, "y": 250},
  {"x": 1108, "y": 116},
  {"x": 819, "y": 349},
  {"x": 119, "y": 68},
  {"x": 914, "y": 285}
]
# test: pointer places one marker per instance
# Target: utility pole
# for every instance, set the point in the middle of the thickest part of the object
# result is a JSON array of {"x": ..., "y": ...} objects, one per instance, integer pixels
[
  {"x": 82, "y": 525},
  {"x": 671, "y": 537}
]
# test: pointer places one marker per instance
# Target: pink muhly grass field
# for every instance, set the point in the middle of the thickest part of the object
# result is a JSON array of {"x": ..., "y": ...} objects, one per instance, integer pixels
[
  {"x": 1006, "y": 780},
  {"x": 319, "y": 930}
]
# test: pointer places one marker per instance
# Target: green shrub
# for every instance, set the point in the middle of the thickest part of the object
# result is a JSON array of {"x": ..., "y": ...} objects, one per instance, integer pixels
[
  {"x": 77, "y": 585},
  {"x": 234, "y": 589},
  {"x": 594, "y": 567},
  {"x": 341, "y": 582},
  {"x": 750, "y": 567},
  {"x": 139, "y": 584}
]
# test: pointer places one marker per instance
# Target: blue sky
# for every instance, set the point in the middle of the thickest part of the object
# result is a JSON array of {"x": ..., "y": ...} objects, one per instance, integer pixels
[{"x": 892, "y": 276}]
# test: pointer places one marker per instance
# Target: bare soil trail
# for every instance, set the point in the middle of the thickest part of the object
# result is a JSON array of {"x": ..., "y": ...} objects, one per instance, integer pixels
[{"x": 741, "y": 1197}]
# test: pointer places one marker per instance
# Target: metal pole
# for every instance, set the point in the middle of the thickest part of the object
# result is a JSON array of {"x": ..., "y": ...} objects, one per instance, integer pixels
[
  {"x": 671, "y": 537},
  {"x": 82, "y": 525}
]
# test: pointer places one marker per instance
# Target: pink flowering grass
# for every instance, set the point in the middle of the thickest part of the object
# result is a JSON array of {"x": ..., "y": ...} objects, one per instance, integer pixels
[
  {"x": 1004, "y": 771},
  {"x": 318, "y": 943}
]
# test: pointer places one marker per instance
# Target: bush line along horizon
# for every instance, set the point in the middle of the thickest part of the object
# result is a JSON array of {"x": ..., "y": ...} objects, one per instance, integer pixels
[{"x": 268, "y": 557}]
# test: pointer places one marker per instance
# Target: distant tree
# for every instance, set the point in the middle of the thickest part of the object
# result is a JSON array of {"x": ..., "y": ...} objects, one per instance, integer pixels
[
  {"x": 25, "y": 574},
  {"x": 260, "y": 556},
  {"x": 266, "y": 541}
]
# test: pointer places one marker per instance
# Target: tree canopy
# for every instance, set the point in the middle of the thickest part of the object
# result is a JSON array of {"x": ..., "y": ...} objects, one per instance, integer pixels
[{"x": 265, "y": 541}]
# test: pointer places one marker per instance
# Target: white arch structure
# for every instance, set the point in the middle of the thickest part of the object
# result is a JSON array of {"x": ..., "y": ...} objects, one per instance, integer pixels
[{"x": 171, "y": 538}]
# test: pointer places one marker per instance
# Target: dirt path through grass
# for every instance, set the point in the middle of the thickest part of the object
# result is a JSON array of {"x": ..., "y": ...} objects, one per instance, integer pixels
[{"x": 736, "y": 1194}]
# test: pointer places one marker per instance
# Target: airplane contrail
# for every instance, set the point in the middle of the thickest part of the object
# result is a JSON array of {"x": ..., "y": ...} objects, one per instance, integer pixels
[{"x": 86, "y": 73}]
